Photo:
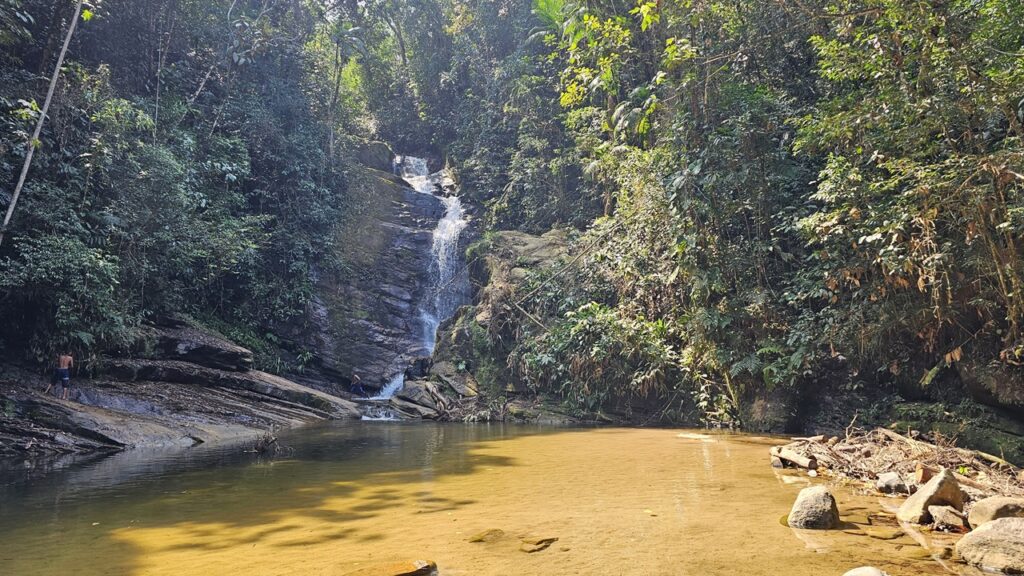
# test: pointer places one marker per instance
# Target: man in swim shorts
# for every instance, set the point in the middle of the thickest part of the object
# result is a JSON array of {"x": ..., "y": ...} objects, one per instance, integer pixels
[{"x": 62, "y": 374}]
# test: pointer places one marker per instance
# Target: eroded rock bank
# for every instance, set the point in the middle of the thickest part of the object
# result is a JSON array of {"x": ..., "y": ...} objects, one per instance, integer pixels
[{"x": 195, "y": 387}]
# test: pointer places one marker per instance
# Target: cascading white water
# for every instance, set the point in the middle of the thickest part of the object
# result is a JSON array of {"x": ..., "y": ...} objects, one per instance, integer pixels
[
  {"x": 449, "y": 281},
  {"x": 446, "y": 272},
  {"x": 391, "y": 388}
]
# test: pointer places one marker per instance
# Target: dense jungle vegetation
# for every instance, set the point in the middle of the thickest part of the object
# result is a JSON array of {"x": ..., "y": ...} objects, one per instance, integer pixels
[{"x": 765, "y": 195}]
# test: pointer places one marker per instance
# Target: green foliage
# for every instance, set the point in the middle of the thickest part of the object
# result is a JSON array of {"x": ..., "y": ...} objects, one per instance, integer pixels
[{"x": 206, "y": 180}]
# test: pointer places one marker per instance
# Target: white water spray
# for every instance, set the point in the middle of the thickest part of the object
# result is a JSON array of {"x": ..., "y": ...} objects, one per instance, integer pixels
[{"x": 449, "y": 281}]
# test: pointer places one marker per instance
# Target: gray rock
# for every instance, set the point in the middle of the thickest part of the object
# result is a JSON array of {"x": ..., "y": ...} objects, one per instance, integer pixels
[
  {"x": 943, "y": 489},
  {"x": 461, "y": 382},
  {"x": 375, "y": 154},
  {"x": 815, "y": 508},
  {"x": 947, "y": 518},
  {"x": 997, "y": 545},
  {"x": 865, "y": 571},
  {"x": 891, "y": 483},
  {"x": 996, "y": 507},
  {"x": 419, "y": 392},
  {"x": 411, "y": 409},
  {"x": 202, "y": 348}
]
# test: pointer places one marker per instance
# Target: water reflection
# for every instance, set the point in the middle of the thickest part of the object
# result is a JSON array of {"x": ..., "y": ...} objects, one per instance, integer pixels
[{"x": 620, "y": 501}]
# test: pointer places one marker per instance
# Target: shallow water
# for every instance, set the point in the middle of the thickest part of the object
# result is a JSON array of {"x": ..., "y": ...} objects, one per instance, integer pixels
[{"x": 620, "y": 501}]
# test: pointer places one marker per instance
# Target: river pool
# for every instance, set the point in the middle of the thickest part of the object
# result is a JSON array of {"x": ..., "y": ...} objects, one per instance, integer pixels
[{"x": 346, "y": 496}]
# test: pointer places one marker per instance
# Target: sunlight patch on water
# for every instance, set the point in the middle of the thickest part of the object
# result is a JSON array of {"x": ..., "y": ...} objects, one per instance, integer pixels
[{"x": 632, "y": 502}]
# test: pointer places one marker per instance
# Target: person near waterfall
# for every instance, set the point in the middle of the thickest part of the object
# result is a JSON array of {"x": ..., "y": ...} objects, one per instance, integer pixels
[
  {"x": 357, "y": 385},
  {"x": 62, "y": 374}
]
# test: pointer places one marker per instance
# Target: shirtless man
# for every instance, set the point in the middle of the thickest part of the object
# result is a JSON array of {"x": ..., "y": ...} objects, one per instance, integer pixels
[{"x": 62, "y": 374}]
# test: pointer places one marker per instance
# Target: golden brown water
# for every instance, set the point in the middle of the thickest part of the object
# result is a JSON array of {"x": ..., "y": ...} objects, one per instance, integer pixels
[{"x": 620, "y": 501}]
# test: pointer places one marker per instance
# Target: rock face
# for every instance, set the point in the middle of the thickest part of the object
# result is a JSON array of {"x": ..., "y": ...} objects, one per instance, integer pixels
[
  {"x": 375, "y": 154},
  {"x": 198, "y": 347},
  {"x": 996, "y": 507},
  {"x": 161, "y": 402},
  {"x": 943, "y": 489},
  {"x": 365, "y": 320},
  {"x": 997, "y": 545},
  {"x": 462, "y": 383},
  {"x": 418, "y": 399},
  {"x": 815, "y": 509},
  {"x": 500, "y": 263}
]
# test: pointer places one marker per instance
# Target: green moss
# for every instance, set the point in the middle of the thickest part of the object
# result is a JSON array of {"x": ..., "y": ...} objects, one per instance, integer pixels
[{"x": 971, "y": 425}]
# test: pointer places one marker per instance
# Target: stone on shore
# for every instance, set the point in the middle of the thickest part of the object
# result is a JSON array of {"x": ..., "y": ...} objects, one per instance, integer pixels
[
  {"x": 406, "y": 568},
  {"x": 891, "y": 483},
  {"x": 996, "y": 507},
  {"x": 865, "y": 571},
  {"x": 815, "y": 508},
  {"x": 941, "y": 490},
  {"x": 487, "y": 535},
  {"x": 947, "y": 518},
  {"x": 534, "y": 544},
  {"x": 997, "y": 545}
]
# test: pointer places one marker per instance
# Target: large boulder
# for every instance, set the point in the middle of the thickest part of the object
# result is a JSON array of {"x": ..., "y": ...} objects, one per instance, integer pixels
[
  {"x": 376, "y": 154},
  {"x": 461, "y": 382},
  {"x": 419, "y": 392},
  {"x": 996, "y": 507},
  {"x": 997, "y": 545},
  {"x": 941, "y": 490},
  {"x": 815, "y": 508},
  {"x": 198, "y": 347}
]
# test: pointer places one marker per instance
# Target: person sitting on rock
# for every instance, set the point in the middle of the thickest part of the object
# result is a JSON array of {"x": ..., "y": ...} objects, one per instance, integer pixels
[
  {"x": 62, "y": 374},
  {"x": 357, "y": 385}
]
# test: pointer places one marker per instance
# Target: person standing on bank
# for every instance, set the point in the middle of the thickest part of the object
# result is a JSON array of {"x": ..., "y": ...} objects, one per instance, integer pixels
[{"x": 62, "y": 374}]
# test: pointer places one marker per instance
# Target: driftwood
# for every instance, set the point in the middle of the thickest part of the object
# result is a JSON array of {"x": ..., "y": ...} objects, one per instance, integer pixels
[
  {"x": 787, "y": 455},
  {"x": 930, "y": 472},
  {"x": 863, "y": 455}
]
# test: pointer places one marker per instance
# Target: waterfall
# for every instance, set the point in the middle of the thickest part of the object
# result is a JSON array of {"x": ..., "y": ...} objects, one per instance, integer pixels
[{"x": 449, "y": 280}]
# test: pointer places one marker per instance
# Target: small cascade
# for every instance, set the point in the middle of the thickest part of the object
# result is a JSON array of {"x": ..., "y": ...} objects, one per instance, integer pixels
[
  {"x": 391, "y": 388},
  {"x": 449, "y": 280}
]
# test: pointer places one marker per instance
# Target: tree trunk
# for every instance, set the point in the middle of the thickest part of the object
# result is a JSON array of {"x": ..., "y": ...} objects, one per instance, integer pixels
[{"x": 31, "y": 146}]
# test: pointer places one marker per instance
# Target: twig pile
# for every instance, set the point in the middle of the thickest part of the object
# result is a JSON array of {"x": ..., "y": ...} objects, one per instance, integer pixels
[{"x": 863, "y": 455}]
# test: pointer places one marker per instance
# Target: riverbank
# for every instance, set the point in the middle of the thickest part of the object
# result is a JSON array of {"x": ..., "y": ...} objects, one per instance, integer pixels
[{"x": 195, "y": 388}]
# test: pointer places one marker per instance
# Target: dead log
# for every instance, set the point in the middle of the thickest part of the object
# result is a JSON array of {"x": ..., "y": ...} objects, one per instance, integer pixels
[{"x": 792, "y": 457}]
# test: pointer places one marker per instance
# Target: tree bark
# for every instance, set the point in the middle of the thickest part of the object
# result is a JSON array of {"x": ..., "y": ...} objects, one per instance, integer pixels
[{"x": 31, "y": 146}]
